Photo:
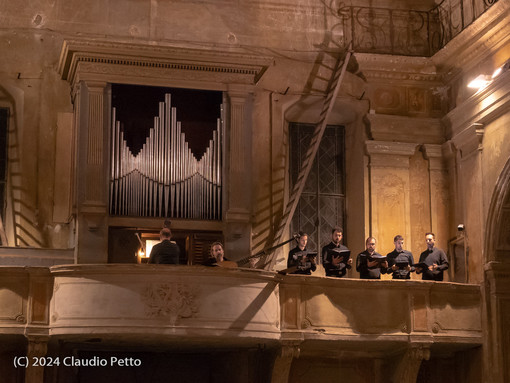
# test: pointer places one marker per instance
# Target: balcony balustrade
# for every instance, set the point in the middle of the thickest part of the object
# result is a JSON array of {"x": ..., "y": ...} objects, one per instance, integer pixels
[{"x": 169, "y": 304}]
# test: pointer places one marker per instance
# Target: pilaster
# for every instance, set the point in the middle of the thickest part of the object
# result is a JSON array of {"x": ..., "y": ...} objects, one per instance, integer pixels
[
  {"x": 409, "y": 365},
  {"x": 389, "y": 190},
  {"x": 37, "y": 348},
  {"x": 283, "y": 362},
  {"x": 239, "y": 169},
  {"x": 498, "y": 300},
  {"x": 469, "y": 145},
  {"x": 91, "y": 172},
  {"x": 438, "y": 185}
]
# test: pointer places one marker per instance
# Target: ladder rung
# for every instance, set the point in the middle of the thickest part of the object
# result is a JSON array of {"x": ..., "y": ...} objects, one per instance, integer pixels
[{"x": 323, "y": 78}]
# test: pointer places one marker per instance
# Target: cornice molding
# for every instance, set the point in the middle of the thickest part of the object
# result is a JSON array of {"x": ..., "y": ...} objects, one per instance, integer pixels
[
  {"x": 423, "y": 130},
  {"x": 434, "y": 155},
  {"x": 469, "y": 140},
  {"x": 432, "y": 151},
  {"x": 482, "y": 108},
  {"x": 391, "y": 148},
  {"x": 380, "y": 67},
  {"x": 107, "y": 57}
]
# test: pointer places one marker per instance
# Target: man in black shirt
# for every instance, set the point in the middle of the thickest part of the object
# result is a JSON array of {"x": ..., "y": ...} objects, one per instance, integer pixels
[
  {"x": 165, "y": 252},
  {"x": 336, "y": 257},
  {"x": 400, "y": 261},
  {"x": 369, "y": 263},
  {"x": 299, "y": 258},
  {"x": 216, "y": 255},
  {"x": 433, "y": 259}
]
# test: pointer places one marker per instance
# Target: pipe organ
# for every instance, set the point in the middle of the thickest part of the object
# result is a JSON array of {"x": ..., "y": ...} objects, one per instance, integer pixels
[{"x": 165, "y": 179}]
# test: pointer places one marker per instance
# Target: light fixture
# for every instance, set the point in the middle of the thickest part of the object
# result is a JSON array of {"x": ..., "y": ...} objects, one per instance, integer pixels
[
  {"x": 141, "y": 253},
  {"x": 503, "y": 68},
  {"x": 481, "y": 81}
]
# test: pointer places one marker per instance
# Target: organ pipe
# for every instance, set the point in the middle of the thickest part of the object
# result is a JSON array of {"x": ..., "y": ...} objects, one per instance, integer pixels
[{"x": 164, "y": 179}]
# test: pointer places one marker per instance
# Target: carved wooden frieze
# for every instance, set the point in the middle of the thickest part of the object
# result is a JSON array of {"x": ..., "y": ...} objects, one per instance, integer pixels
[{"x": 171, "y": 301}]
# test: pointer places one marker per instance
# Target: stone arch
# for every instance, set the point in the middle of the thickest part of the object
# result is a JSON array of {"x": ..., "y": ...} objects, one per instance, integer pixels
[
  {"x": 497, "y": 240},
  {"x": 497, "y": 281}
]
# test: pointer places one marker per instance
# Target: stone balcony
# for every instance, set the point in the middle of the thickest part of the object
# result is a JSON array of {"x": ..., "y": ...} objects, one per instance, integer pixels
[{"x": 169, "y": 305}]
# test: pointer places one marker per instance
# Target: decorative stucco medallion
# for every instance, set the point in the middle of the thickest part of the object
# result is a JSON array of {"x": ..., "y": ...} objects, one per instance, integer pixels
[{"x": 170, "y": 300}]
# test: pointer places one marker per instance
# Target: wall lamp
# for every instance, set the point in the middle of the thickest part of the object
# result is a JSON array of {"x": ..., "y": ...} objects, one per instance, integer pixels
[
  {"x": 502, "y": 69},
  {"x": 482, "y": 80}
]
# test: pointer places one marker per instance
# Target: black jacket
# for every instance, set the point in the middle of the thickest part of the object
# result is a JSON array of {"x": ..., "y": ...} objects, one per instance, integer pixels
[{"x": 165, "y": 252}]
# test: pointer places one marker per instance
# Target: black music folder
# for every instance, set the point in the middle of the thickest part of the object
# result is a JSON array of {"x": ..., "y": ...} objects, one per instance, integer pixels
[
  {"x": 422, "y": 265},
  {"x": 336, "y": 252},
  {"x": 402, "y": 265},
  {"x": 305, "y": 253},
  {"x": 379, "y": 258}
]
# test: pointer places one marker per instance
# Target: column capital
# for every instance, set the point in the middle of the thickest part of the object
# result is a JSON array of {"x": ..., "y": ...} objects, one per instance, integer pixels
[
  {"x": 390, "y": 154},
  {"x": 239, "y": 91},
  {"x": 95, "y": 86},
  {"x": 434, "y": 154},
  {"x": 390, "y": 147},
  {"x": 469, "y": 140},
  {"x": 432, "y": 151}
]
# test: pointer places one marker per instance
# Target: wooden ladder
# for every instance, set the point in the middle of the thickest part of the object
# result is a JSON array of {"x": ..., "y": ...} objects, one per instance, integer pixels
[{"x": 335, "y": 80}]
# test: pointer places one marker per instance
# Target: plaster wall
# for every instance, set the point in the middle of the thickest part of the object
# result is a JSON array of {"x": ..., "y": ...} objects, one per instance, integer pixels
[
  {"x": 35, "y": 95},
  {"x": 260, "y": 24}
]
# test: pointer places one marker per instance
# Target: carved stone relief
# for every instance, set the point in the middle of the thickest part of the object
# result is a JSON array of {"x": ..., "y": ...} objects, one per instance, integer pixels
[
  {"x": 407, "y": 100},
  {"x": 417, "y": 100},
  {"x": 389, "y": 100},
  {"x": 171, "y": 300}
]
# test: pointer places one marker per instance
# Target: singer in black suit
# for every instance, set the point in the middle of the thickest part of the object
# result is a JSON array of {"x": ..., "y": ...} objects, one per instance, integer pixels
[
  {"x": 299, "y": 259},
  {"x": 335, "y": 265},
  {"x": 367, "y": 264}
]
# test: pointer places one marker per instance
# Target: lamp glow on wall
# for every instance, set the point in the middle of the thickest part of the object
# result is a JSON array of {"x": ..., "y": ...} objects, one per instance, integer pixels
[
  {"x": 149, "y": 244},
  {"x": 480, "y": 82}
]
